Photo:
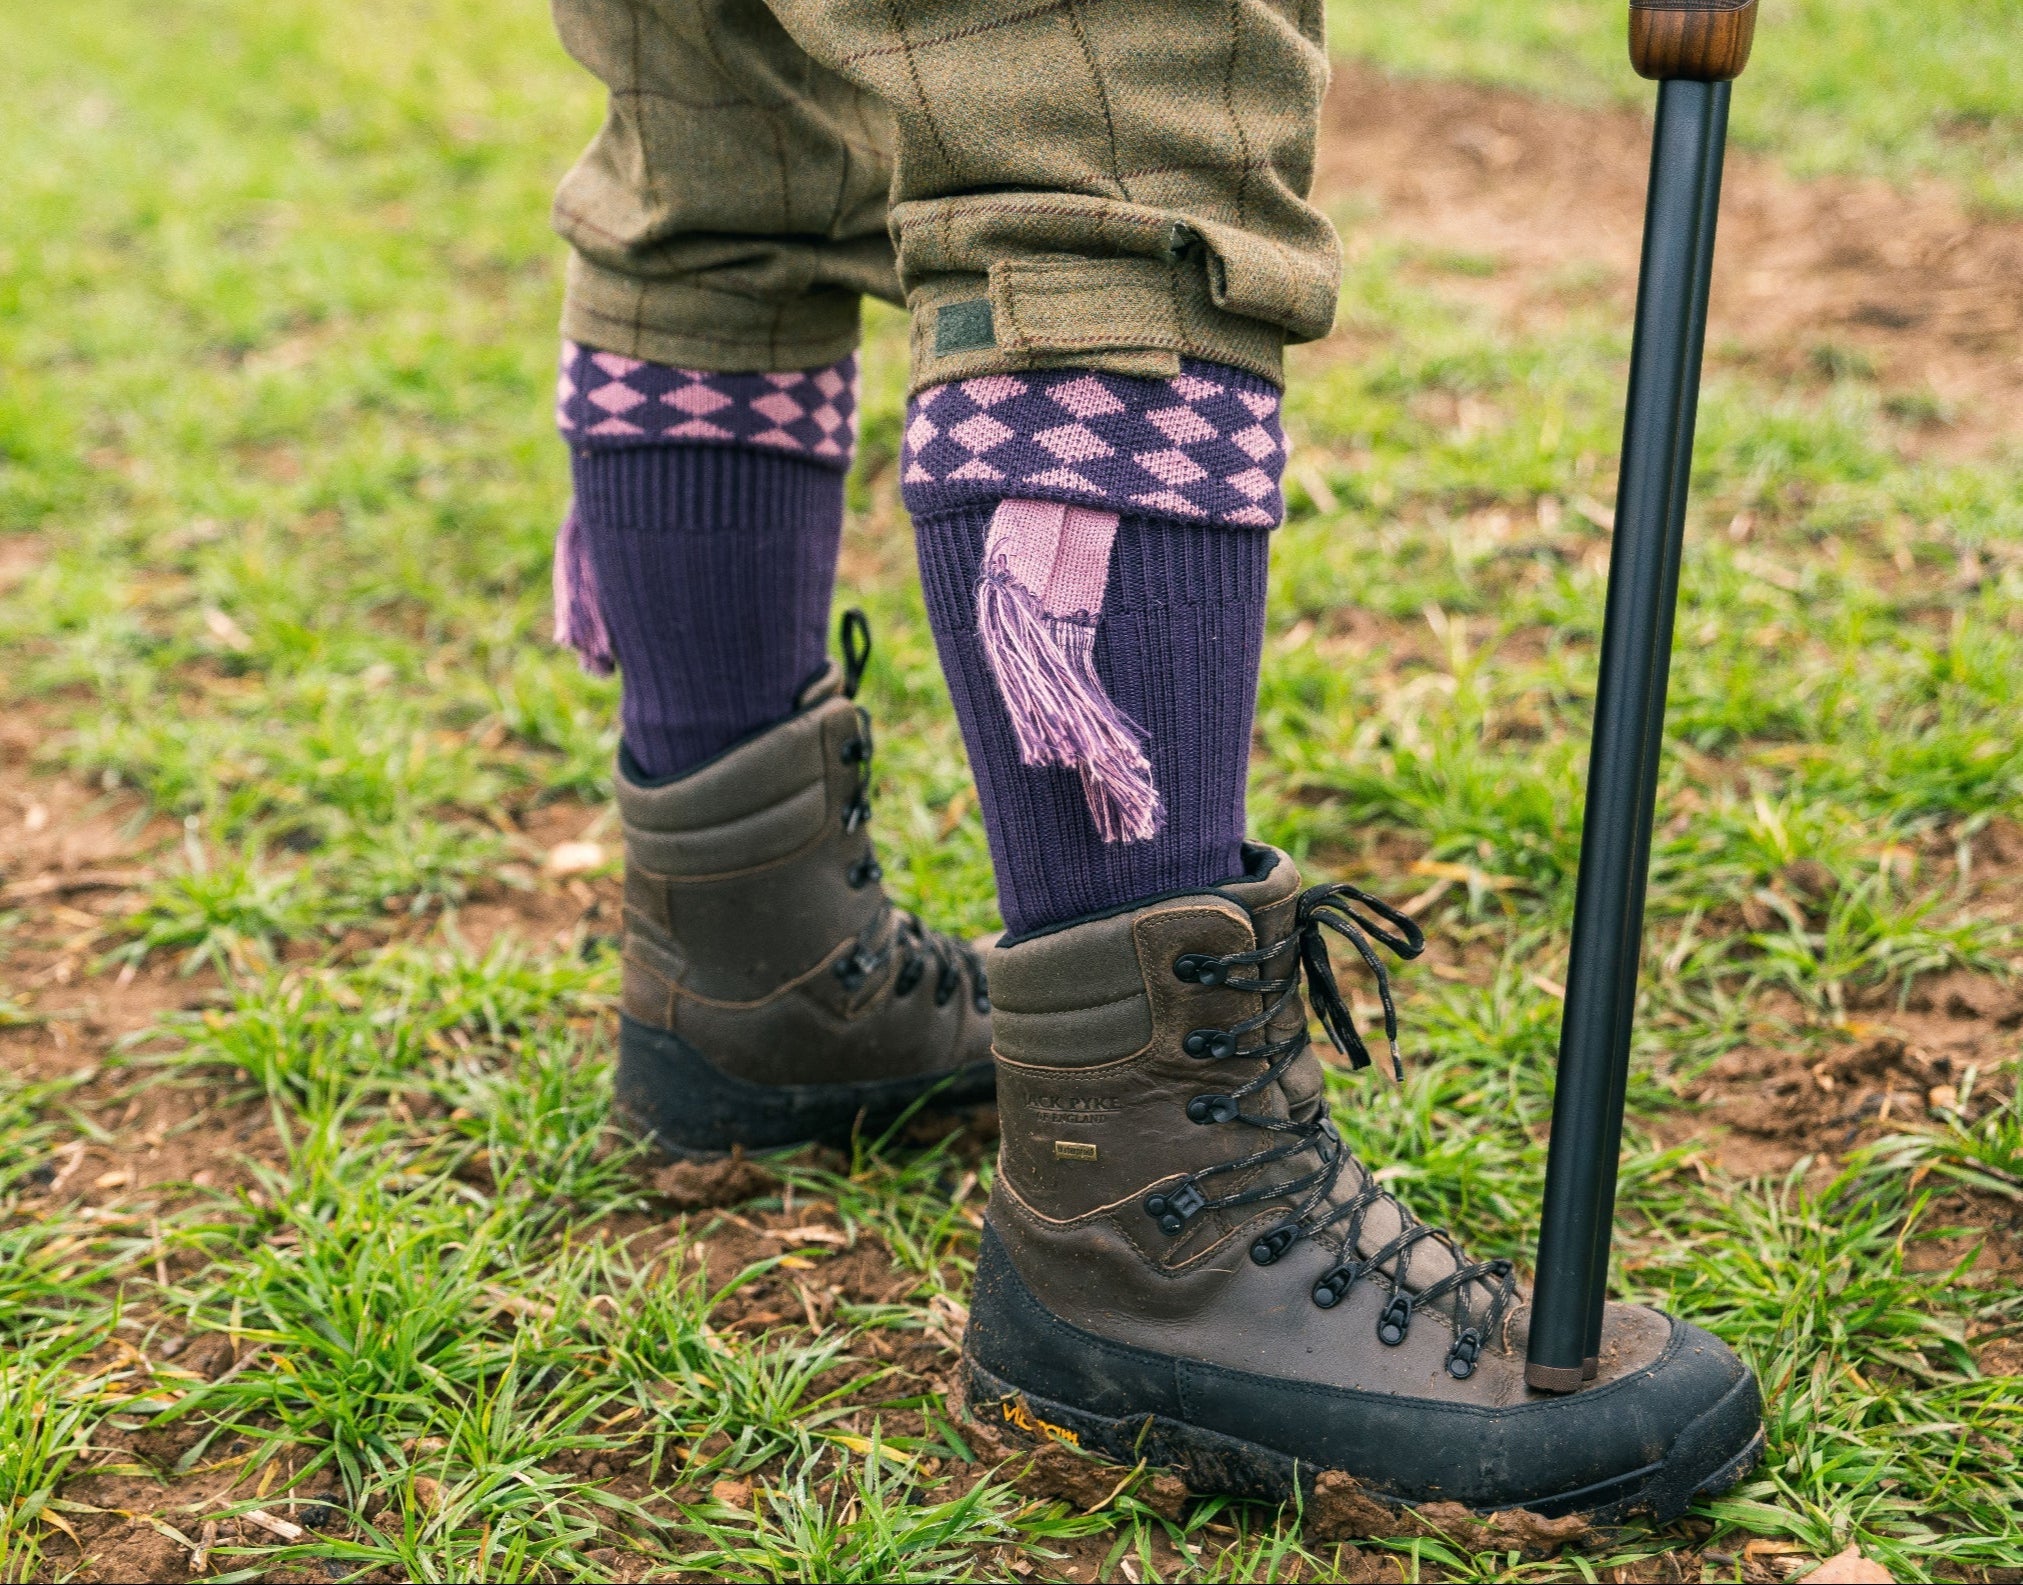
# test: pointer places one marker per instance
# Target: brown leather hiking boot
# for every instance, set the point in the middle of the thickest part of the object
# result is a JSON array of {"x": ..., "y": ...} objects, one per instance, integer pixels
[
  {"x": 772, "y": 994},
  {"x": 1182, "y": 1261}
]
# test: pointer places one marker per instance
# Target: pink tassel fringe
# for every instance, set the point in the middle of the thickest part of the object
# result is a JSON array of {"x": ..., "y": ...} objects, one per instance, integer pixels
[
  {"x": 579, "y": 617},
  {"x": 1060, "y": 713}
]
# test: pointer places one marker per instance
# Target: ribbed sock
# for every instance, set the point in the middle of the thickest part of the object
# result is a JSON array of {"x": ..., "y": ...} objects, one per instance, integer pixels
[
  {"x": 701, "y": 550},
  {"x": 1093, "y": 550},
  {"x": 1177, "y": 652},
  {"x": 714, "y": 568}
]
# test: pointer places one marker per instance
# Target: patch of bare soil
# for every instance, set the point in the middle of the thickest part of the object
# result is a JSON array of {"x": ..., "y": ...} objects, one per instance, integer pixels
[
  {"x": 1948, "y": 1053},
  {"x": 150, "y": 1524},
  {"x": 561, "y": 888},
  {"x": 1810, "y": 276},
  {"x": 1340, "y": 1510},
  {"x": 1949, "y": 1050}
]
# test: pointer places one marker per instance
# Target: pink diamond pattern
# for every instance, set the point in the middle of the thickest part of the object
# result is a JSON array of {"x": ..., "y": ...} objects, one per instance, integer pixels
[
  {"x": 617, "y": 397},
  {"x": 1075, "y": 443},
  {"x": 608, "y": 399},
  {"x": 1182, "y": 425},
  {"x": 696, "y": 400},
  {"x": 780, "y": 408},
  {"x": 981, "y": 433},
  {"x": 1203, "y": 446},
  {"x": 1256, "y": 442},
  {"x": 1171, "y": 467},
  {"x": 1196, "y": 389},
  {"x": 992, "y": 389},
  {"x": 1087, "y": 398}
]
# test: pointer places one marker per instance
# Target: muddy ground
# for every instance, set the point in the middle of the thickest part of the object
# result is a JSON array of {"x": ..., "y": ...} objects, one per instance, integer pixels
[{"x": 1929, "y": 297}]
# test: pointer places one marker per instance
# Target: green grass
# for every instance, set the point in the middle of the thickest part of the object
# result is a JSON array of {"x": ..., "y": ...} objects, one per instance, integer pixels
[
  {"x": 1861, "y": 88},
  {"x": 276, "y": 316}
]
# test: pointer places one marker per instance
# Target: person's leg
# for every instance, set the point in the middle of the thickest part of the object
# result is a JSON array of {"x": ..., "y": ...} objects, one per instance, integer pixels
[
  {"x": 724, "y": 224},
  {"x": 1104, "y": 666},
  {"x": 1102, "y": 231},
  {"x": 1105, "y": 244},
  {"x": 699, "y": 557},
  {"x": 708, "y": 381}
]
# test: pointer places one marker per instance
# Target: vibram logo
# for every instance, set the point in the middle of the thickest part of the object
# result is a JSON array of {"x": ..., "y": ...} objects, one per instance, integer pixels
[
  {"x": 1016, "y": 1413},
  {"x": 1069, "y": 1150}
]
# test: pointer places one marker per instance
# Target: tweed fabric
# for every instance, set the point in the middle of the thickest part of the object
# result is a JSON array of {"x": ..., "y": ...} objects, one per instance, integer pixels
[
  {"x": 1123, "y": 185},
  {"x": 605, "y": 400},
  {"x": 713, "y": 568},
  {"x": 1178, "y": 649},
  {"x": 1203, "y": 446}
]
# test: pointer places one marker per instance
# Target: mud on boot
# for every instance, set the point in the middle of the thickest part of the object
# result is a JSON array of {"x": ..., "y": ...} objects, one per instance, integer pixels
[
  {"x": 773, "y": 995},
  {"x": 1183, "y": 1262}
]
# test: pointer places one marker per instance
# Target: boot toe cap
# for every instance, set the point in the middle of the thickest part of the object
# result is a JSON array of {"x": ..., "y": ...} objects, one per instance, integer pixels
[{"x": 1651, "y": 1433}]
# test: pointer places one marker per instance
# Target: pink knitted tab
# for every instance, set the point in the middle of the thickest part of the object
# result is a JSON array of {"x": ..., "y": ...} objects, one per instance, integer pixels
[
  {"x": 1045, "y": 565},
  {"x": 579, "y": 614},
  {"x": 1059, "y": 552}
]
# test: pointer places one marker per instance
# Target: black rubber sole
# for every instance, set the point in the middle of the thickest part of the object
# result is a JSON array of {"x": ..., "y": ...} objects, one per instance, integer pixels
[
  {"x": 687, "y": 1108},
  {"x": 1643, "y": 1445},
  {"x": 1213, "y": 1463}
]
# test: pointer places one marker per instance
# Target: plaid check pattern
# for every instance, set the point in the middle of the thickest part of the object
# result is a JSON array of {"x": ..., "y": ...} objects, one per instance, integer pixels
[
  {"x": 605, "y": 401},
  {"x": 768, "y": 162},
  {"x": 1205, "y": 446}
]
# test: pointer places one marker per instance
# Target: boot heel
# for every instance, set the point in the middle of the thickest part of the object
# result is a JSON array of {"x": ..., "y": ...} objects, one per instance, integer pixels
[{"x": 689, "y": 1109}]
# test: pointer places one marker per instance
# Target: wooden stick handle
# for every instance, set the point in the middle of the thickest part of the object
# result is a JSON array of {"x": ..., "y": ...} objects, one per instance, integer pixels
[{"x": 1704, "y": 41}]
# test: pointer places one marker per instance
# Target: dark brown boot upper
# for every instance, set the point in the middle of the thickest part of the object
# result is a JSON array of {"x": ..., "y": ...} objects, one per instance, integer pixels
[
  {"x": 756, "y": 928},
  {"x": 1110, "y": 1091}
]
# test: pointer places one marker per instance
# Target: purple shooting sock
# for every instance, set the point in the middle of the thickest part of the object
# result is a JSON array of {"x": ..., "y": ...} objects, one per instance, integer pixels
[
  {"x": 700, "y": 552},
  {"x": 1093, "y": 550}
]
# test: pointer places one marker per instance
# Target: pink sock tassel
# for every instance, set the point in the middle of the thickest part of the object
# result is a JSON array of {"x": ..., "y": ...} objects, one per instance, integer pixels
[
  {"x": 579, "y": 619},
  {"x": 1044, "y": 569}
]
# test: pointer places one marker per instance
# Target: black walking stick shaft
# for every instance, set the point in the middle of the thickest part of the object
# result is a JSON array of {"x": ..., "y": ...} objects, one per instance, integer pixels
[
  {"x": 1695, "y": 49},
  {"x": 1713, "y": 145}
]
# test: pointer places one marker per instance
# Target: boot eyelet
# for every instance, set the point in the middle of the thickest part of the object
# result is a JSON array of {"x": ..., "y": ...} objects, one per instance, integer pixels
[
  {"x": 1268, "y": 1247},
  {"x": 1173, "y": 1210},
  {"x": 1462, "y": 1356},
  {"x": 1334, "y": 1286},
  {"x": 863, "y": 873},
  {"x": 1210, "y": 1045},
  {"x": 1212, "y": 1109},
  {"x": 1396, "y": 1320},
  {"x": 854, "y": 751},
  {"x": 1197, "y": 968}
]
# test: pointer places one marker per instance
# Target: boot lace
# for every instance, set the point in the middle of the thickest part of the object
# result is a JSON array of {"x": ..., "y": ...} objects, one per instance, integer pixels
[
  {"x": 918, "y": 949},
  {"x": 1314, "y": 1146}
]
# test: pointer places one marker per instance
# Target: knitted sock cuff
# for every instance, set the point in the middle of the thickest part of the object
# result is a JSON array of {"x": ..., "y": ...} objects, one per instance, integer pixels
[
  {"x": 607, "y": 402},
  {"x": 1205, "y": 446}
]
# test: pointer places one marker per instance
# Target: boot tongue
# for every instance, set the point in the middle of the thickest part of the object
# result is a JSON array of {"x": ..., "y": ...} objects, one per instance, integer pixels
[
  {"x": 1269, "y": 892},
  {"x": 1428, "y": 1260}
]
